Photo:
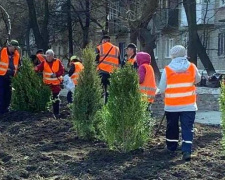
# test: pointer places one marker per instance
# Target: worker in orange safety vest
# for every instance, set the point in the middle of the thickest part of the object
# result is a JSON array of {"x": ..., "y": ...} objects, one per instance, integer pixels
[
  {"x": 76, "y": 67},
  {"x": 52, "y": 70},
  {"x": 107, "y": 59},
  {"x": 178, "y": 85},
  {"x": 146, "y": 74},
  {"x": 9, "y": 64},
  {"x": 131, "y": 51}
]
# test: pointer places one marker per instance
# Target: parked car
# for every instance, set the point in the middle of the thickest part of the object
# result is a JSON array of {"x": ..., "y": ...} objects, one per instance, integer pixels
[{"x": 214, "y": 80}]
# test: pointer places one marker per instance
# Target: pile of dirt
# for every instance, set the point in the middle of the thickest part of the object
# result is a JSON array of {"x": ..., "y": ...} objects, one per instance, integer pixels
[{"x": 36, "y": 146}]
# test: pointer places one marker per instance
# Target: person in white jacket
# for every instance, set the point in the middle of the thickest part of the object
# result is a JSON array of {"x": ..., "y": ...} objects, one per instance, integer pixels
[
  {"x": 178, "y": 85},
  {"x": 70, "y": 87}
]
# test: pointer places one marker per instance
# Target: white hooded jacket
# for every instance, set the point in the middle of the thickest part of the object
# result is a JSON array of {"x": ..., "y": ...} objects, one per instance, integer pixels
[{"x": 179, "y": 64}]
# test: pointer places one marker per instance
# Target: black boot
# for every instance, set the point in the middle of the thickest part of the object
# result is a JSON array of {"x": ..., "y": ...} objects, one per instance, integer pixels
[
  {"x": 186, "y": 156},
  {"x": 55, "y": 105}
]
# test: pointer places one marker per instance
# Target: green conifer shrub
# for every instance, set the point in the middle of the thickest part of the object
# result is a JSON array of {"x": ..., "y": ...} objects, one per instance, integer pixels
[
  {"x": 29, "y": 91},
  {"x": 222, "y": 108},
  {"x": 87, "y": 97},
  {"x": 126, "y": 123}
]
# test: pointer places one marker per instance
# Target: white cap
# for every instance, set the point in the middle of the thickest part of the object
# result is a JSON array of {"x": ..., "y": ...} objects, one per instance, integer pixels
[
  {"x": 178, "y": 51},
  {"x": 49, "y": 52}
]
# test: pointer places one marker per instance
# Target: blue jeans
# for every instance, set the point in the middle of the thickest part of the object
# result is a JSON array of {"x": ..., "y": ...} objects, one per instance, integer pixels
[
  {"x": 172, "y": 132},
  {"x": 5, "y": 94}
]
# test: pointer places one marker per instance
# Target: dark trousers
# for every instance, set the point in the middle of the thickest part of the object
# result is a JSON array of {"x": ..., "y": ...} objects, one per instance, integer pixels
[
  {"x": 55, "y": 103},
  {"x": 105, "y": 83},
  {"x": 69, "y": 97},
  {"x": 172, "y": 132},
  {"x": 5, "y": 94}
]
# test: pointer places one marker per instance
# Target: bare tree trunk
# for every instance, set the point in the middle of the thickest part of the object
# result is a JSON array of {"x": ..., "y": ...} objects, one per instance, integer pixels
[
  {"x": 41, "y": 37},
  {"x": 106, "y": 30},
  {"x": 202, "y": 55},
  {"x": 45, "y": 32},
  {"x": 87, "y": 24},
  {"x": 7, "y": 22},
  {"x": 133, "y": 35},
  {"x": 190, "y": 10},
  {"x": 147, "y": 41},
  {"x": 195, "y": 46},
  {"x": 69, "y": 27},
  {"x": 28, "y": 40}
]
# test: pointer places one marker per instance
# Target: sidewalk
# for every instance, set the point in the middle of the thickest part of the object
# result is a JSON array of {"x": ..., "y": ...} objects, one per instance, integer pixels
[
  {"x": 208, "y": 117},
  {"x": 203, "y": 117}
]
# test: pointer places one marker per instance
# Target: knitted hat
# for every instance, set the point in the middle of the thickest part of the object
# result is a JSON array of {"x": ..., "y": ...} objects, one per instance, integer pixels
[{"x": 178, "y": 51}]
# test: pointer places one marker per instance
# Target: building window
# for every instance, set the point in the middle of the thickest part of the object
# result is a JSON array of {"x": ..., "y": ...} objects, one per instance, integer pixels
[
  {"x": 205, "y": 40},
  {"x": 221, "y": 44},
  {"x": 114, "y": 9},
  {"x": 222, "y": 2},
  {"x": 169, "y": 45},
  {"x": 163, "y": 4}
]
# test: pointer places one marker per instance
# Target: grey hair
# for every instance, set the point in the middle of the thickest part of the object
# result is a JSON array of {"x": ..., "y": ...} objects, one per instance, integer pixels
[{"x": 50, "y": 52}]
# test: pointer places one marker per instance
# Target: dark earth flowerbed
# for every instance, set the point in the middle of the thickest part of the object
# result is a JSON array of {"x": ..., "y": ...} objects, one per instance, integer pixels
[{"x": 36, "y": 146}]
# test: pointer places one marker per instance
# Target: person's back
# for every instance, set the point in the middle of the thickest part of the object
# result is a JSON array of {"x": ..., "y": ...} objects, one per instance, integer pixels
[
  {"x": 78, "y": 68},
  {"x": 146, "y": 76},
  {"x": 107, "y": 60},
  {"x": 179, "y": 71},
  {"x": 178, "y": 83},
  {"x": 108, "y": 57}
]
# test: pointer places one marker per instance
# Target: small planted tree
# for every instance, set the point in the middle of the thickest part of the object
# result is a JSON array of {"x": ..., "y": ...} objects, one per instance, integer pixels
[
  {"x": 30, "y": 93},
  {"x": 87, "y": 97},
  {"x": 127, "y": 125},
  {"x": 222, "y": 108}
]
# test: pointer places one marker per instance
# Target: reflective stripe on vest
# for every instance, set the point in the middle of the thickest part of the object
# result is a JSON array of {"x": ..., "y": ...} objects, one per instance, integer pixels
[
  {"x": 78, "y": 68},
  {"x": 180, "y": 90},
  {"x": 111, "y": 61},
  {"x": 47, "y": 72},
  {"x": 148, "y": 87},
  {"x": 4, "y": 61}
]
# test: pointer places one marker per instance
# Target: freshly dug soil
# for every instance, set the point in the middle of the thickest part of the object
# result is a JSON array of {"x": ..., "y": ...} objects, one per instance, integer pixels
[{"x": 36, "y": 146}]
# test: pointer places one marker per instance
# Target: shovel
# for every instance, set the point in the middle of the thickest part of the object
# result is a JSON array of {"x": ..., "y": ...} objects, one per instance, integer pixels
[{"x": 160, "y": 124}]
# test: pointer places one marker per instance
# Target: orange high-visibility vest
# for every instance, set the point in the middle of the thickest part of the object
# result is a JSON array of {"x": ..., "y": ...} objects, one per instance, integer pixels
[
  {"x": 180, "y": 88},
  {"x": 111, "y": 61},
  {"x": 78, "y": 68},
  {"x": 131, "y": 61},
  {"x": 47, "y": 72},
  {"x": 40, "y": 57},
  {"x": 148, "y": 87},
  {"x": 4, "y": 61}
]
